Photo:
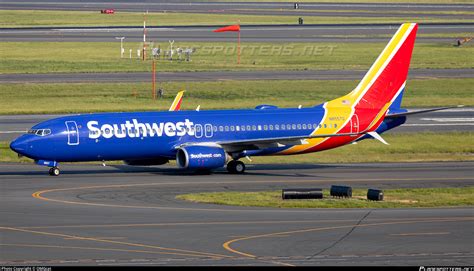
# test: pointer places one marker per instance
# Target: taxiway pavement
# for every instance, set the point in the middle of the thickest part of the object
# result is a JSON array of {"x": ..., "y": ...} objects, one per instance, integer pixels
[
  {"x": 219, "y": 76},
  {"x": 94, "y": 215},
  {"x": 360, "y": 9},
  {"x": 257, "y": 33}
]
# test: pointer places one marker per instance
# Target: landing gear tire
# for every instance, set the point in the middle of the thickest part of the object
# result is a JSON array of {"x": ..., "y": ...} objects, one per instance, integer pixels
[
  {"x": 236, "y": 167},
  {"x": 54, "y": 171}
]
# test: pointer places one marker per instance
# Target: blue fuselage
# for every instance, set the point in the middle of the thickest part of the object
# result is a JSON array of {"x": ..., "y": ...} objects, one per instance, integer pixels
[{"x": 147, "y": 135}]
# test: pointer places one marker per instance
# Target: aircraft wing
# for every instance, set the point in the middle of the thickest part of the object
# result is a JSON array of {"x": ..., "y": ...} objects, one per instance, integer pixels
[
  {"x": 395, "y": 115},
  {"x": 263, "y": 143}
]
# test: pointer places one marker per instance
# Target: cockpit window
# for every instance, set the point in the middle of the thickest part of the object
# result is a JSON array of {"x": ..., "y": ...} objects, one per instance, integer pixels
[{"x": 40, "y": 132}]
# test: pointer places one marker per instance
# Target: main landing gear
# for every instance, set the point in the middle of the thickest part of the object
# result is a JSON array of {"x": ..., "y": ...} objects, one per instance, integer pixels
[
  {"x": 236, "y": 167},
  {"x": 54, "y": 171}
]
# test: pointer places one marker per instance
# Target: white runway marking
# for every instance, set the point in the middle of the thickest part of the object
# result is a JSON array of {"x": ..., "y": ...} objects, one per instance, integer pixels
[
  {"x": 12, "y": 132},
  {"x": 449, "y": 119},
  {"x": 439, "y": 124}
]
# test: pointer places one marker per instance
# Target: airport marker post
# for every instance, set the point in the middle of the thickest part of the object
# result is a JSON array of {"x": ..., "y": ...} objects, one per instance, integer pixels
[
  {"x": 144, "y": 35},
  {"x": 121, "y": 45},
  {"x": 238, "y": 45},
  {"x": 153, "y": 80}
]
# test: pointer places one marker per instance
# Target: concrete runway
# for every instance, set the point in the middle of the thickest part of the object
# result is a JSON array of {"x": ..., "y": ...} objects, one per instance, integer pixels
[
  {"x": 267, "y": 8},
  {"x": 255, "y": 33},
  {"x": 94, "y": 215},
  {"x": 456, "y": 119},
  {"x": 220, "y": 75},
  {"x": 258, "y": 33}
]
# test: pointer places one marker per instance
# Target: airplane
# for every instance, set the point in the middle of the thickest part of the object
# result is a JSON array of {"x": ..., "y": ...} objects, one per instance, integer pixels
[{"x": 206, "y": 140}]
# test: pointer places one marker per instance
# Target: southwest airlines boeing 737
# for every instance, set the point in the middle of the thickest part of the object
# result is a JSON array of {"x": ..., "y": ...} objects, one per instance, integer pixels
[{"x": 212, "y": 139}]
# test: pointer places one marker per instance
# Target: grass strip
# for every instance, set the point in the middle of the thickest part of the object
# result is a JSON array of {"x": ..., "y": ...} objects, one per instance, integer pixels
[
  {"x": 119, "y": 97},
  {"x": 393, "y": 198},
  {"x": 35, "y": 18},
  {"x": 51, "y": 57}
]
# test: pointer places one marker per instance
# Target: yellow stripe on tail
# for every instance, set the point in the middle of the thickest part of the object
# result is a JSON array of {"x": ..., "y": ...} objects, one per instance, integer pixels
[{"x": 176, "y": 105}]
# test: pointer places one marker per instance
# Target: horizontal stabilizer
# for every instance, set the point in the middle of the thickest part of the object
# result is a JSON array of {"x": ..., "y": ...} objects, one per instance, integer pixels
[{"x": 395, "y": 115}]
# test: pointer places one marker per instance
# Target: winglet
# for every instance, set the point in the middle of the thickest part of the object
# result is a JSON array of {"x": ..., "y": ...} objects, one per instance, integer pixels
[
  {"x": 378, "y": 137},
  {"x": 176, "y": 105}
]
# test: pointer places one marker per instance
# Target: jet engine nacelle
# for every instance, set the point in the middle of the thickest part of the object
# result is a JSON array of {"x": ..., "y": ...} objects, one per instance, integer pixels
[
  {"x": 147, "y": 162},
  {"x": 201, "y": 157}
]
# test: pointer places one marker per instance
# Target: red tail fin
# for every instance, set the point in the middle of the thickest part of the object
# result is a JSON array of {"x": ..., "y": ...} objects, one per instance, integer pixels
[{"x": 389, "y": 72}]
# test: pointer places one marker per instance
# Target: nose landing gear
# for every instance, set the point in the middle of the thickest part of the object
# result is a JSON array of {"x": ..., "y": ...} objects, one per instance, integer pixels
[
  {"x": 54, "y": 171},
  {"x": 236, "y": 167}
]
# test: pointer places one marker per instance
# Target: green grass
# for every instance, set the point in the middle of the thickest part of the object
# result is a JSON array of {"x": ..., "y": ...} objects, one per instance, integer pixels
[
  {"x": 106, "y": 97},
  {"x": 7, "y": 155},
  {"x": 404, "y": 147},
  {"x": 48, "y": 57},
  {"x": 31, "y": 18},
  {"x": 393, "y": 198}
]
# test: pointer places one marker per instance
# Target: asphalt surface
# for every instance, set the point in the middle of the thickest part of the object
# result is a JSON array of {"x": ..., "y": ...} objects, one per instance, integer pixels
[
  {"x": 121, "y": 215},
  {"x": 267, "y": 33},
  {"x": 231, "y": 7},
  {"x": 456, "y": 119},
  {"x": 220, "y": 75},
  {"x": 94, "y": 215}
]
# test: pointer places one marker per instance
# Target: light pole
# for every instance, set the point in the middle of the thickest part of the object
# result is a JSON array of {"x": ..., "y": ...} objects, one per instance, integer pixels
[{"x": 121, "y": 45}]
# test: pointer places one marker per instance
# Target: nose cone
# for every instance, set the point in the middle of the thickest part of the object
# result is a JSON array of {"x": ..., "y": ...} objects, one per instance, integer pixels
[{"x": 19, "y": 145}]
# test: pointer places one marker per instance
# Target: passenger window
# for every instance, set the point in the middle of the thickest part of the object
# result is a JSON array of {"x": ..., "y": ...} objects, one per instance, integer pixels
[
  {"x": 325, "y": 125},
  {"x": 265, "y": 127},
  {"x": 304, "y": 126},
  {"x": 335, "y": 125},
  {"x": 232, "y": 128},
  {"x": 277, "y": 127},
  {"x": 198, "y": 128},
  {"x": 242, "y": 128},
  {"x": 227, "y": 128},
  {"x": 254, "y": 128},
  {"x": 221, "y": 129},
  {"x": 299, "y": 126},
  {"x": 237, "y": 128},
  {"x": 288, "y": 127},
  {"x": 293, "y": 126},
  {"x": 271, "y": 127},
  {"x": 248, "y": 128}
]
